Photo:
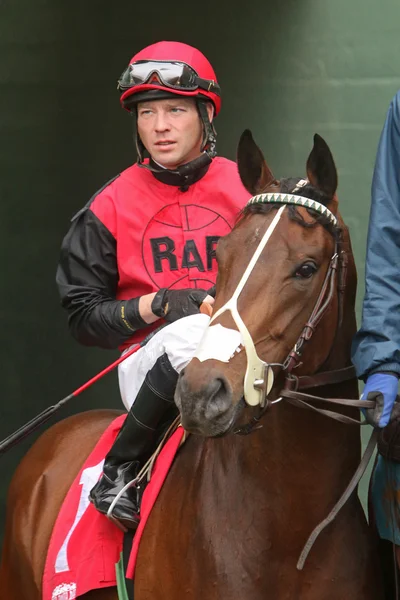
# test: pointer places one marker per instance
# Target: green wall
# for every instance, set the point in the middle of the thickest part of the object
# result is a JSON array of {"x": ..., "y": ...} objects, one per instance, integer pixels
[{"x": 287, "y": 69}]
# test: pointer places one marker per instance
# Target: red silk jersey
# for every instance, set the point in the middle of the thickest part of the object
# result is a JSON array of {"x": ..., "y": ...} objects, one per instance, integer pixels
[{"x": 165, "y": 236}]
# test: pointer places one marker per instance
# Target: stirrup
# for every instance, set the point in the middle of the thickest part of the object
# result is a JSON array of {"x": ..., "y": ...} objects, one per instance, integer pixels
[
  {"x": 145, "y": 472},
  {"x": 113, "y": 504}
]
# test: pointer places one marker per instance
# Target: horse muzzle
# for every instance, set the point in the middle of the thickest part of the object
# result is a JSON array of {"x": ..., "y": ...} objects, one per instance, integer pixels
[{"x": 206, "y": 409}]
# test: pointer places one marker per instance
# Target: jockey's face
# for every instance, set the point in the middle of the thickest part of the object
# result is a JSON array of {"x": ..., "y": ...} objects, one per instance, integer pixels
[{"x": 171, "y": 130}]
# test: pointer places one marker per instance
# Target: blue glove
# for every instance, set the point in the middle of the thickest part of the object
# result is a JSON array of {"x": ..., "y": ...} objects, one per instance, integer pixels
[{"x": 382, "y": 388}]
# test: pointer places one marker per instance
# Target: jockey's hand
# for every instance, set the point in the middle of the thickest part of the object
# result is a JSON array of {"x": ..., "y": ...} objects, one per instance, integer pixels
[
  {"x": 175, "y": 304},
  {"x": 381, "y": 387}
]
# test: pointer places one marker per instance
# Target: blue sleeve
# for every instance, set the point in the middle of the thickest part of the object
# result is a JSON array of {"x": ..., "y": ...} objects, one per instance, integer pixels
[{"x": 376, "y": 346}]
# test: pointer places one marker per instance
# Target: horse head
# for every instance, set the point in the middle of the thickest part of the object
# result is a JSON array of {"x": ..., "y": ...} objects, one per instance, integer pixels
[{"x": 279, "y": 291}]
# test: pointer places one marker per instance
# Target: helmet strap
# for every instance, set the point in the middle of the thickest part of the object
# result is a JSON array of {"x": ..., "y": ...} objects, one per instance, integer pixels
[
  {"x": 140, "y": 149},
  {"x": 210, "y": 135},
  {"x": 183, "y": 176}
]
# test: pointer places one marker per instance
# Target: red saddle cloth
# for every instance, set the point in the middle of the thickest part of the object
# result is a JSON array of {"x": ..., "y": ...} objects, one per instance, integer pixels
[{"x": 85, "y": 546}]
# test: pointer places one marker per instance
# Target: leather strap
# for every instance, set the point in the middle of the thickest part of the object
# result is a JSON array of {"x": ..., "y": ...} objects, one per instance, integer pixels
[
  {"x": 320, "y": 379},
  {"x": 306, "y": 401},
  {"x": 342, "y": 500},
  {"x": 321, "y": 306}
]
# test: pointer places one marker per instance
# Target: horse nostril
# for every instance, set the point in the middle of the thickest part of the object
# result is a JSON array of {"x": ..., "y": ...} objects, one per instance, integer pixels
[
  {"x": 219, "y": 398},
  {"x": 220, "y": 382}
]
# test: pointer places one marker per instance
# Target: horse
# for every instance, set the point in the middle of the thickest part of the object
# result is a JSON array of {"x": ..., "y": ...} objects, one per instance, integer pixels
[{"x": 255, "y": 476}]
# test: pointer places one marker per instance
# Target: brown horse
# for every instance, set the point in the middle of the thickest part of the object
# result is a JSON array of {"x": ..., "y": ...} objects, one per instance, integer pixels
[{"x": 236, "y": 510}]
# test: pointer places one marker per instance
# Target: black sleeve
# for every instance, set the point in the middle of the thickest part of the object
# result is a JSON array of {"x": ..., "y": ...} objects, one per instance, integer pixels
[{"x": 87, "y": 278}]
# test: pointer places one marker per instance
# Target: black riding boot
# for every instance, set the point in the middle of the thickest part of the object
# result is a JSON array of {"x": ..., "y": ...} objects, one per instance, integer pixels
[{"x": 135, "y": 443}]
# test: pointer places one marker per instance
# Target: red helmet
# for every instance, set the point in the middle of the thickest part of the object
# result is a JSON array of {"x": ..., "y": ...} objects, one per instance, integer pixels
[{"x": 171, "y": 67}]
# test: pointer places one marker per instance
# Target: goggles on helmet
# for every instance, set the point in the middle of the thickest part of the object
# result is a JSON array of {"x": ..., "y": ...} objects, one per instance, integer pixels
[{"x": 171, "y": 74}]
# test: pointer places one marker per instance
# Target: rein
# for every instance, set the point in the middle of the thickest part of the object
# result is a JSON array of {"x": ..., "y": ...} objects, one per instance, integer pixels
[{"x": 308, "y": 401}]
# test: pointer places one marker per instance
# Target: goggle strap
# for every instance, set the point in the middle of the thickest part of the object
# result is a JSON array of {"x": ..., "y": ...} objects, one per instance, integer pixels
[{"x": 209, "y": 85}]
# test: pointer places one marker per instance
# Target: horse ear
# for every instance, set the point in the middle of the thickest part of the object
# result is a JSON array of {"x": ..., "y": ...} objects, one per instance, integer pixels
[
  {"x": 321, "y": 169},
  {"x": 253, "y": 170}
]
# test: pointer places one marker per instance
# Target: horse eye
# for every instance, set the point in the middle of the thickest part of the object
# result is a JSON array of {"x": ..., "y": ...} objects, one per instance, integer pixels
[{"x": 306, "y": 270}]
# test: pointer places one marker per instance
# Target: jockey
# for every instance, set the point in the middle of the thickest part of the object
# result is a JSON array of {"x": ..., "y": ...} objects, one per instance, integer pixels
[
  {"x": 141, "y": 253},
  {"x": 376, "y": 346}
]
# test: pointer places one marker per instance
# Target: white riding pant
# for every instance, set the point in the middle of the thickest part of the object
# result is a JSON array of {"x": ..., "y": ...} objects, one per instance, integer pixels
[{"x": 179, "y": 341}]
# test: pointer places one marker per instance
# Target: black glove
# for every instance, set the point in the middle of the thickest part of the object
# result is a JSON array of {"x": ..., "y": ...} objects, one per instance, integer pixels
[
  {"x": 212, "y": 291},
  {"x": 175, "y": 304}
]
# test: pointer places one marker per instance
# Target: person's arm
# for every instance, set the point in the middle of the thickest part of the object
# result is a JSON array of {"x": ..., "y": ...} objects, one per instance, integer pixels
[
  {"x": 376, "y": 346},
  {"x": 87, "y": 278}
]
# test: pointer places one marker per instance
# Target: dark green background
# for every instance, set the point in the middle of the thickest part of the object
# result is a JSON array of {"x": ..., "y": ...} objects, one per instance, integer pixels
[{"x": 287, "y": 69}]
